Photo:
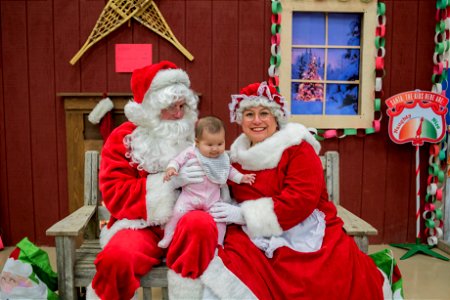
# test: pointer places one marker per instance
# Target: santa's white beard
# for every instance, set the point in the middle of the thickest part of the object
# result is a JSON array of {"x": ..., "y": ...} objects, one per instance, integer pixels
[{"x": 152, "y": 148}]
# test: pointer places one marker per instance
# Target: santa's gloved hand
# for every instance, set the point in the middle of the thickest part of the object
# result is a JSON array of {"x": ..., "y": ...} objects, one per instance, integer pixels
[
  {"x": 189, "y": 173},
  {"x": 225, "y": 212}
]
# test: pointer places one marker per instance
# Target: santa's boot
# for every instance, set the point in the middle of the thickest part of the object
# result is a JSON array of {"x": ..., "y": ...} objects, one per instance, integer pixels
[
  {"x": 183, "y": 287},
  {"x": 92, "y": 295}
]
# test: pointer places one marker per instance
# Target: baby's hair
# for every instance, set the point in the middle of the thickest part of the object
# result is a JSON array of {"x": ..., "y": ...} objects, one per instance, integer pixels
[{"x": 210, "y": 124}]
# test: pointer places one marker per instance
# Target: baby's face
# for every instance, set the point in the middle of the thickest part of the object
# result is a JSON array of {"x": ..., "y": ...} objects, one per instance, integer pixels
[{"x": 211, "y": 144}]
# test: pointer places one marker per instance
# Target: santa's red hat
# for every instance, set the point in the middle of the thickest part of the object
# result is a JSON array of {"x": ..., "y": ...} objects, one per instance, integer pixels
[
  {"x": 155, "y": 77},
  {"x": 156, "y": 87},
  {"x": 258, "y": 94}
]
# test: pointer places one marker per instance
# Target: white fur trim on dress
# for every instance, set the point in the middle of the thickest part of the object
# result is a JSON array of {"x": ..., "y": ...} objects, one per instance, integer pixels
[
  {"x": 260, "y": 217},
  {"x": 183, "y": 287},
  {"x": 387, "y": 291},
  {"x": 267, "y": 154},
  {"x": 160, "y": 199},
  {"x": 168, "y": 77},
  {"x": 224, "y": 283},
  {"x": 90, "y": 293},
  {"x": 107, "y": 233},
  {"x": 100, "y": 110}
]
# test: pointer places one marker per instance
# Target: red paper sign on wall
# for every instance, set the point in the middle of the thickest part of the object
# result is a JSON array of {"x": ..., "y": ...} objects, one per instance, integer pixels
[{"x": 132, "y": 56}]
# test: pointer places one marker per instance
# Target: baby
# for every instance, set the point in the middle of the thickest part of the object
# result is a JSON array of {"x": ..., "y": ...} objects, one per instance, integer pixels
[{"x": 209, "y": 150}]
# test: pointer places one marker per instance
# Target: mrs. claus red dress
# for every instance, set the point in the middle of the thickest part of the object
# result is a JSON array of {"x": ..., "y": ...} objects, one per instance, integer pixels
[{"x": 289, "y": 188}]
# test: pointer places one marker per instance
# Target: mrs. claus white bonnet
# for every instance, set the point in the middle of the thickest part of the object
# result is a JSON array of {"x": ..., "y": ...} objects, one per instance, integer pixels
[
  {"x": 258, "y": 94},
  {"x": 156, "y": 87}
]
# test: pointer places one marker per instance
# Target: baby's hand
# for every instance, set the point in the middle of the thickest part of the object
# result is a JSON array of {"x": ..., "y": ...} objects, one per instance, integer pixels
[
  {"x": 169, "y": 173},
  {"x": 248, "y": 178}
]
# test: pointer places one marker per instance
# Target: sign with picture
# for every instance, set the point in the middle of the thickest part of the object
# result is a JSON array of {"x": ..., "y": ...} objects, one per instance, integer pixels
[{"x": 417, "y": 117}]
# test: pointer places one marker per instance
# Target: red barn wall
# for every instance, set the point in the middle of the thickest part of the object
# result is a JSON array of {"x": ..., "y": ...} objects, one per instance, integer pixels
[{"x": 230, "y": 40}]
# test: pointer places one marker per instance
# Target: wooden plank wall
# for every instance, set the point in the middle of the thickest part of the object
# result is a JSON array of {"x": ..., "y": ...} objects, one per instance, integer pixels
[
  {"x": 377, "y": 176},
  {"x": 230, "y": 40}
]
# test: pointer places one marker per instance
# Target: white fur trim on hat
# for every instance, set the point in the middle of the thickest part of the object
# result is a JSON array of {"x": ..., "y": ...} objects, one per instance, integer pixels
[
  {"x": 183, "y": 287},
  {"x": 168, "y": 77},
  {"x": 100, "y": 110},
  {"x": 260, "y": 217},
  {"x": 224, "y": 283},
  {"x": 267, "y": 154},
  {"x": 160, "y": 199}
]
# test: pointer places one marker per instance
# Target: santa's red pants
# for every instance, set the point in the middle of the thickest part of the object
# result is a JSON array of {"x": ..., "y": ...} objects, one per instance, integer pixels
[{"x": 130, "y": 254}]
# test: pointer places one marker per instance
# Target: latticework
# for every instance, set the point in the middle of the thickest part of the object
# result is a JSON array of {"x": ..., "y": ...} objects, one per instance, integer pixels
[
  {"x": 115, "y": 13},
  {"x": 151, "y": 17}
]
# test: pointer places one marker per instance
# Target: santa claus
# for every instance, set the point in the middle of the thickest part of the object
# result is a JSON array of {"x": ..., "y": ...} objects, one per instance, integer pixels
[{"x": 161, "y": 124}]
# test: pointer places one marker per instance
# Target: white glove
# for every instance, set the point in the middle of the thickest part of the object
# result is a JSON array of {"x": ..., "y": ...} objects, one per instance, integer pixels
[
  {"x": 225, "y": 212},
  {"x": 188, "y": 174}
]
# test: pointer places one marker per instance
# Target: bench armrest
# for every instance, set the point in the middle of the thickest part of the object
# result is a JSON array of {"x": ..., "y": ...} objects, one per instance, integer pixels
[
  {"x": 73, "y": 224},
  {"x": 353, "y": 224}
]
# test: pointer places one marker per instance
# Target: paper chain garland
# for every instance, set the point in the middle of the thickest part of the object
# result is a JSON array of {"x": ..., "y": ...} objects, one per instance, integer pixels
[
  {"x": 275, "y": 58},
  {"x": 432, "y": 212},
  {"x": 275, "y": 61}
]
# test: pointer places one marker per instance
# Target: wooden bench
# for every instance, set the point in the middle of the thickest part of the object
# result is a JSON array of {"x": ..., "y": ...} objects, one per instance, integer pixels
[{"x": 75, "y": 255}]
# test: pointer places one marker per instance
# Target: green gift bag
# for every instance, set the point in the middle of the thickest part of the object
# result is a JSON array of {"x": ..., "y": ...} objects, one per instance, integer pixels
[
  {"x": 385, "y": 261},
  {"x": 27, "y": 274}
]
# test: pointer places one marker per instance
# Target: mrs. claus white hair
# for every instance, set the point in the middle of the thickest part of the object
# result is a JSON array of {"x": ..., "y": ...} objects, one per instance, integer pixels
[{"x": 258, "y": 94}]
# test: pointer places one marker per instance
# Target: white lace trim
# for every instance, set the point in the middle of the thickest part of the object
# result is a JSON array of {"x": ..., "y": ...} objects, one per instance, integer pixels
[{"x": 306, "y": 236}]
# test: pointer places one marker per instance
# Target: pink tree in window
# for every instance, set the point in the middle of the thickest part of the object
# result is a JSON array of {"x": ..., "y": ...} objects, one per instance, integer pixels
[{"x": 310, "y": 91}]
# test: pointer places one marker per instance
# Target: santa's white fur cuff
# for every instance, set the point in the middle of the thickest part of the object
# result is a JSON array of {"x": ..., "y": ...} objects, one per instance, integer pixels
[{"x": 160, "y": 199}]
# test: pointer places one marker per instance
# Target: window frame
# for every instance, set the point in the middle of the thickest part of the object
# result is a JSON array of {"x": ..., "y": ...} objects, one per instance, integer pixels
[{"x": 367, "y": 64}]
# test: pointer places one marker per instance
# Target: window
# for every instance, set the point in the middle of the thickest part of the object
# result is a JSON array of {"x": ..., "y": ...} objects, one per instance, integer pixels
[{"x": 328, "y": 62}]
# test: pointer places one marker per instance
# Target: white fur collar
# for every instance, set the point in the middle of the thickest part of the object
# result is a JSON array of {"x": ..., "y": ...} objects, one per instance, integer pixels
[{"x": 267, "y": 154}]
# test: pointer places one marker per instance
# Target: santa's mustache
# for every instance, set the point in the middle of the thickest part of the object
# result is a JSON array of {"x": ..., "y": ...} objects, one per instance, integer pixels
[{"x": 152, "y": 147}]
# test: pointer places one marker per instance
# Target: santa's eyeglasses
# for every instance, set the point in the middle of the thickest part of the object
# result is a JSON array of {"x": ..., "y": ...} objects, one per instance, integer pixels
[{"x": 176, "y": 107}]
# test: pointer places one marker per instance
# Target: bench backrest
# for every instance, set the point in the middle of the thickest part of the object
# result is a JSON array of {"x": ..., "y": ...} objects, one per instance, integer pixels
[
  {"x": 330, "y": 164},
  {"x": 92, "y": 196}
]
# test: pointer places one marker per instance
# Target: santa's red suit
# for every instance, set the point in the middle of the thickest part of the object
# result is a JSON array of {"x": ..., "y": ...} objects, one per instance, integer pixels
[
  {"x": 130, "y": 253},
  {"x": 132, "y": 167},
  {"x": 289, "y": 188}
]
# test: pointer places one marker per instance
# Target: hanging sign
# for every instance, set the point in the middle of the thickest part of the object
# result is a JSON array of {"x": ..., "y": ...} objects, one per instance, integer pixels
[{"x": 417, "y": 117}]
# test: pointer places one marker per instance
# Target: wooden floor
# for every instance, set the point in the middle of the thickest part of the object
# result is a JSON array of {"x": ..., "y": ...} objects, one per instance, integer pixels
[{"x": 424, "y": 277}]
